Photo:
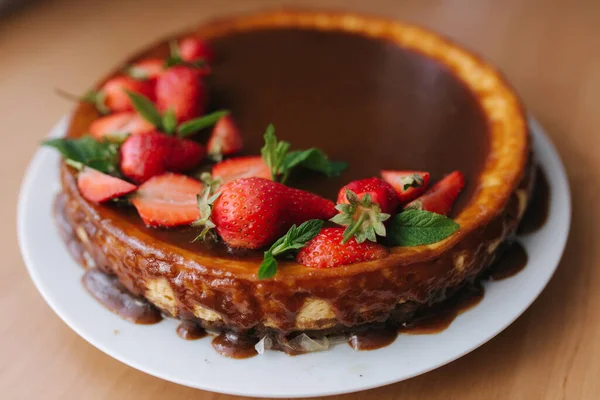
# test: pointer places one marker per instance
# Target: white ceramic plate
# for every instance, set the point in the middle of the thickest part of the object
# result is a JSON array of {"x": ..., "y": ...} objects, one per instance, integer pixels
[{"x": 157, "y": 350}]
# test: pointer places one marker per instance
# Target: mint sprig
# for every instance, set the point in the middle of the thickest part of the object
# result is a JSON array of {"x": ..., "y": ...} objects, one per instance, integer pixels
[
  {"x": 281, "y": 161},
  {"x": 419, "y": 227},
  {"x": 295, "y": 239},
  {"x": 102, "y": 156},
  {"x": 167, "y": 121}
]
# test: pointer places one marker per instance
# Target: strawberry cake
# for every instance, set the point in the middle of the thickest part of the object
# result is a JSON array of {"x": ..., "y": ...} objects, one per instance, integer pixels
[{"x": 295, "y": 174}]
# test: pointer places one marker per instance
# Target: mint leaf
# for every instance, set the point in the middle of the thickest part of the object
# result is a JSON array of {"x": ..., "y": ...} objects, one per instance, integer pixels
[
  {"x": 419, "y": 227},
  {"x": 102, "y": 156},
  {"x": 315, "y": 160},
  {"x": 192, "y": 126},
  {"x": 169, "y": 121},
  {"x": 295, "y": 239},
  {"x": 146, "y": 109},
  {"x": 274, "y": 152}
]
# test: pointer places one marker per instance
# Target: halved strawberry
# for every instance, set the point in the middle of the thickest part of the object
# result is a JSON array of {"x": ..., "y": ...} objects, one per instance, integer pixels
[
  {"x": 168, "y": 200},
  {"x": 441, "y": 196},
  {"x": 225, "y": 139},
  {"x": 241, "y": 167},
  {"x": 148, "y": 68},
  {"x": 185, "y": 155},
  {"x": 98, "y": 187},
  {"x": 408, "y": 184},
  {"x": 115, "y": 126},
  {"x": 115, "y": 92},
  {"x": 146, "y": 155},
  {"x": 181, "y": 89},
  {"x": 327, "y": 251},
  {"x": 194, "y": 49}
]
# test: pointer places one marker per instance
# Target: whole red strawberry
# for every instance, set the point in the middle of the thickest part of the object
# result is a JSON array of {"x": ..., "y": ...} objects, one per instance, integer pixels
[
  {"x": 194, "y": 49},
  {"x": 144, "y": 156},
  {"x": 185, "y": 155},
  {"x": 115, "y": 92},
  {"x": 327, "y": 251},
  {"x": 252, "y": 213},
  {"x": 380, "y": 191},
  {"x": 181, "y": 89}
]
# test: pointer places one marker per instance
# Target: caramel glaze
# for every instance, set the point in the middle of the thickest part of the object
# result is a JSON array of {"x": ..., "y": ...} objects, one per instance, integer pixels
[
  {"x": 511, "y": 261},
  {"x": 110, "y": 293},
  {"x": 190, "y": 330},
  {"x": 380, "y": 106},
  {"x": 233, "y": 345},
  {"x": 537, "y": 211}
]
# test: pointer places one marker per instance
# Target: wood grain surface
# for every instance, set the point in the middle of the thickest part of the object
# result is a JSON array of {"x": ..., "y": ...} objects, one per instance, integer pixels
[{"x": 550, "y": 51}]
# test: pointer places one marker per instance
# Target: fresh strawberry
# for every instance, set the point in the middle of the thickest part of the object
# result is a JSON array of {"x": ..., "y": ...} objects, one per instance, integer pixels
[
  {"x": 441, "y": 196},
  {"x": 380, "y": 191},
  {"x": 408, "y": 184},
  {"x": 225, "y": 139},
  {"x": 180, "y": 89},
  {"x": 146, "y": 155},
  {"x": 254, "y": 212},
  {"x": 185, "y": 155},
  {"x": 241, "y": 167},
  {"x": 168, "y": 200},
  {"x": 98, "y": 187},
  {"x": 148, "y": 68},
  {"x": 115, "y": 92},
  {"x": 119, "y": 124},
  {"x": 194, "y": 49},
  {"x": 327, "y": 251}
]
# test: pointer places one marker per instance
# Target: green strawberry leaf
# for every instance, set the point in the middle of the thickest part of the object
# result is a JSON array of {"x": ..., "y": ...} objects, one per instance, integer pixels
[
  {"x": 102, "y": 156},
  {"x": 295, "y": 239},
  {"x": 274, "y": 152},
  {"x": 190, "y": 127},
  {"x": 146, "y": 109},
  {"x": 419, "y": 227}
]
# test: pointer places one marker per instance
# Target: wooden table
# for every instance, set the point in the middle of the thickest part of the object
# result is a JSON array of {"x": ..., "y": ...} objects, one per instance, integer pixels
[{"x": 550, "y": 50}]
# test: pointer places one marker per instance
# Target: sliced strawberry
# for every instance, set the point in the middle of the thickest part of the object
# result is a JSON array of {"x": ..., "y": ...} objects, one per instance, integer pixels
[
  {"x": 117, "y": 125},
  {"x": 441, "y": 196},
  {"x": 326, "y": 250},
  {"x": 149, "y": 68},
  {"x": 98, "y": 187},
  {"x": 225, "y": 139},
  {"x": 146, "y": 155},
  {"x": 168, "y": 200},
  {"x": 194, "y": 49},
  {"x": 241, "y": 167},
  {"x": 408, "y": 184},
  {"x": 185, "y": 155},
  {"x": 180, "y": 89},
  {"x": 115, "y": 92}
]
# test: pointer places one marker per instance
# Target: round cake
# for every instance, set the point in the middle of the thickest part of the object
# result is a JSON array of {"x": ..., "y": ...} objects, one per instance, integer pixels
[{"x": 375, "y": 93}]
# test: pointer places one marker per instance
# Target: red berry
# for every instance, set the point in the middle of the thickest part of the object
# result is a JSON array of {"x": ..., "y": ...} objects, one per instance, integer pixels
[
  {"x": 144, "y": 156},
  {"x": 440, "y": 197},
  {"x": 148, "y": 68},
  {"x": 99, "y": 187},
  {"x": 185, "y": 155},
  {"x": 380, "y": 191},
  {"x": 180, "y": 89},
  {"x": 168, "y": 200},
  {"x": 195, "y": 49},
  {"x": 241, "y": 167},
  {"x": 225, "y": 139},
  {"x": 254, "y": 212},
  {"x": 326, "y": 250},
  {"x": 408, "y": 184},
  {"x": 115, "y": 92},
  {"x": 119, "y": 124}
]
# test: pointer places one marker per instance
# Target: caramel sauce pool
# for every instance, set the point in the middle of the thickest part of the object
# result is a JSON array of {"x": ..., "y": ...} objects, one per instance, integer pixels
[
  {"x": 539, "y": 206},
  {"x": 231, "y": 345},
  {"x": 190, "y": 330},
  {"x": 510, "y": 263}
]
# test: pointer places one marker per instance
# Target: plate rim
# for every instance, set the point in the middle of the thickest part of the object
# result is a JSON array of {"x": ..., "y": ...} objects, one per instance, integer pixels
[{"x": 539, "y": 136}]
